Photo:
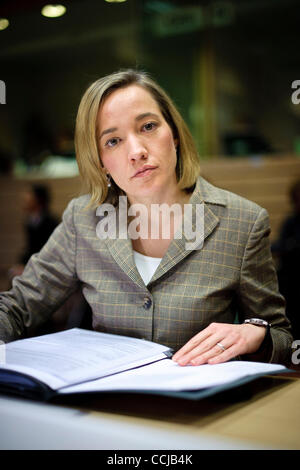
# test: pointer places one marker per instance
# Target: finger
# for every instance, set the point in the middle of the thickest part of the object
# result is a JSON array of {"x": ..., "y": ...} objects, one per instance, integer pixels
[
  {"x": 206, "y": 345},
  {"x": 215, "y": 351},
  {"x": 225, "y": 356},
  {"x": 191, "y": 344}
]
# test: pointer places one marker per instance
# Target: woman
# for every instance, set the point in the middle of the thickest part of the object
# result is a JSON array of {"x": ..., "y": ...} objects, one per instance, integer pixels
[{"x": 131, "y": 143}]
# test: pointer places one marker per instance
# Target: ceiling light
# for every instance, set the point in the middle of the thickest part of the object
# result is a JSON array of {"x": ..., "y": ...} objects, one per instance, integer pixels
[
  {"x": 115, "y": 1},
  {"x": 4, "y": 23},
  {"x": 53, "y": 11}
]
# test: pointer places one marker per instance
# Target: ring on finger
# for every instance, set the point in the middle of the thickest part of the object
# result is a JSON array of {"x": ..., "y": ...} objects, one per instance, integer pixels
[{"x": 221, "y": 346}]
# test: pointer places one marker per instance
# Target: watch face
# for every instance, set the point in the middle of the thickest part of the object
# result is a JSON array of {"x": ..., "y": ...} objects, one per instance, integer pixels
[{"x": 257, "y": 321}]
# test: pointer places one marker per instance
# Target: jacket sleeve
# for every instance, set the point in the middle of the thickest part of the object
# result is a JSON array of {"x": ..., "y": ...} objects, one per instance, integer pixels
[
  {"x": 259, "y": 295},
  {"x": 48, "y": 280}
]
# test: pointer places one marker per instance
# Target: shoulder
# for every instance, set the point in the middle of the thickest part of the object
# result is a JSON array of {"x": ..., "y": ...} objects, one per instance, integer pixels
[
  {"x": 78, "y": 210},
  {"x": 231, "y": 202},
  {"x": 79, "y": 204},
  {"x": 239, "y": 218}
]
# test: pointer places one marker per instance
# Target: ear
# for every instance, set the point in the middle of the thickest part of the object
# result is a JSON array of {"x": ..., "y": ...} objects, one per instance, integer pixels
[
  {"x": 106, "y": 172},
  {"x": 176, "y": 142}
]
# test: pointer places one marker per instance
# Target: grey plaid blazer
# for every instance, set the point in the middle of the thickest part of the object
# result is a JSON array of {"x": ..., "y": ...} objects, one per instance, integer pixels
[{"x": 231, "y": 275}]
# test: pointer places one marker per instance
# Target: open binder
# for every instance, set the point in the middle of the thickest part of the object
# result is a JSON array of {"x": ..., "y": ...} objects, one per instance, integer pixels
[{"x": 81, "y": 361}]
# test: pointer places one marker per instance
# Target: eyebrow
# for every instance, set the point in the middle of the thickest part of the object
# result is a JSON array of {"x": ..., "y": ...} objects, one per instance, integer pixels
[
  {"x": 143, "y": 115},
  {"x": 138, "y": 118},
  {"x": 108, "y": 131}
]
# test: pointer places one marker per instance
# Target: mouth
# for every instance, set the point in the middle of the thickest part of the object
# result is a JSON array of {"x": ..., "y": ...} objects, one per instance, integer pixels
[{"x": 145, "y": 170}]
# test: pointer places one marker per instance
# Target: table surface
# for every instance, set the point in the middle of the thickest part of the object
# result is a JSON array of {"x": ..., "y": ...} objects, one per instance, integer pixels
[{"x": 264, "y": 413}]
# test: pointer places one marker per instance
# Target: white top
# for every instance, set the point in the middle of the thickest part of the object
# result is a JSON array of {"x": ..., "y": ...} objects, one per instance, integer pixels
[{"x": 146, "y": 265}]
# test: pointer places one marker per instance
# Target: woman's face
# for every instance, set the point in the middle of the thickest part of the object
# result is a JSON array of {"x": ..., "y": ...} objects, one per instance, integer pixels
[{"x": 136, "y": 145}]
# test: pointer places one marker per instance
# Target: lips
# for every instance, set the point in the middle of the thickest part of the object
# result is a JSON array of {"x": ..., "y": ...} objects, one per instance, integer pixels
[{"x": 145, "y": 169}]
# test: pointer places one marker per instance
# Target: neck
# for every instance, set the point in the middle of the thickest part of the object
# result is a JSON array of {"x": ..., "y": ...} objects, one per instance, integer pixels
[
  {"x": 158, "y": 218},
  {"x": 175, "y": 197}
]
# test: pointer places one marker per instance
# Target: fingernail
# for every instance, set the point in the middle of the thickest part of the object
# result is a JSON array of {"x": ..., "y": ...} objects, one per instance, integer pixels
[
  {"x": 181, "y": 362},
  {"x": 212, "y": 361}
]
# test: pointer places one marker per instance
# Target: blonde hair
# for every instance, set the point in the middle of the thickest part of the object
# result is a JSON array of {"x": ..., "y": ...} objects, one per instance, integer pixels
[{"x": 87, "y": 154}]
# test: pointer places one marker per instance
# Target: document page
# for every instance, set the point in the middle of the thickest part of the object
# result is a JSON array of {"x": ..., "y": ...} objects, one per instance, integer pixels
[
  {"x": 169, "y": 376},
  {"x": 76, "y": 355}
]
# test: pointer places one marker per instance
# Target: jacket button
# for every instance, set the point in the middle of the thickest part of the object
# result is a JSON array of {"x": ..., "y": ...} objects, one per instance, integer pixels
[{"x": 147, "y": 303}]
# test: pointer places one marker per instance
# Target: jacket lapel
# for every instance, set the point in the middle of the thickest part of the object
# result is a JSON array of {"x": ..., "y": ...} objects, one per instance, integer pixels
[
  {"x": 121, "y": 251},
  {"x": 203, "y": 198}
]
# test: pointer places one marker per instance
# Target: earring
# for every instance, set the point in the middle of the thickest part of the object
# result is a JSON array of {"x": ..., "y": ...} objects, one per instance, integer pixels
[{"x": 108, "y": 181}]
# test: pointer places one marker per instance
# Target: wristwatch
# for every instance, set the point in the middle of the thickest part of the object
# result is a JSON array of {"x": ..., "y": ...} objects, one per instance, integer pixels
[
  {"x": 258, "y": 322},
  {"x": 266, "y": 344}
]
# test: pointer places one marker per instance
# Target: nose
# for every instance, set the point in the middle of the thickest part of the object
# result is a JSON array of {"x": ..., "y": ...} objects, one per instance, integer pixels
[{"x": 136, "y": 149}]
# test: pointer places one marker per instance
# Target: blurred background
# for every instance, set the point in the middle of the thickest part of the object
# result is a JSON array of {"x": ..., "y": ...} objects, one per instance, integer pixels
[{"x": 228, "y": 65}]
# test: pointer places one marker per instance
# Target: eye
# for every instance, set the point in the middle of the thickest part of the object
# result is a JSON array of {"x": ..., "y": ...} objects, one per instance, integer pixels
[
  {"x": 149, "y": 126},
  {"x": 112, "y": 142}
]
